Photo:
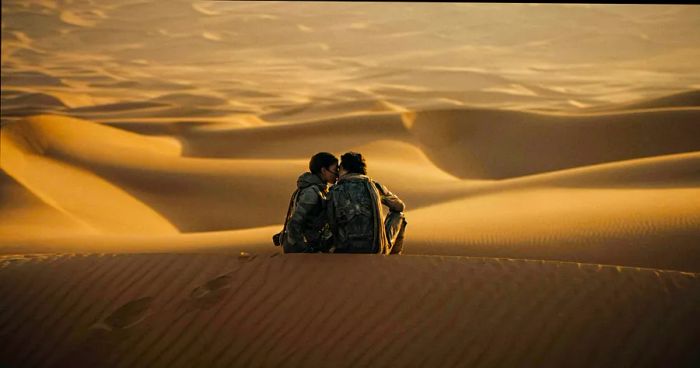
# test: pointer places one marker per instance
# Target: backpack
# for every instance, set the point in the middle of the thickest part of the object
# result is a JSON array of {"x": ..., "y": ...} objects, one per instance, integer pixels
[
  {"x": 353, "y": 213},
  {"x": 278, "y": 239}
]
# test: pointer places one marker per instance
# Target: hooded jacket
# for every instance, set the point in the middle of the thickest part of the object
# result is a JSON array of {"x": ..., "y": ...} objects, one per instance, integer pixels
[{"x": 307, "y": 219}]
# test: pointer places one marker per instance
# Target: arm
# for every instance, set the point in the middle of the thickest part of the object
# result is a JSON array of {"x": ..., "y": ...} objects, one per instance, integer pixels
[
  {"x": 307, "y": 200},
  {"x": 390, "y": 199}
]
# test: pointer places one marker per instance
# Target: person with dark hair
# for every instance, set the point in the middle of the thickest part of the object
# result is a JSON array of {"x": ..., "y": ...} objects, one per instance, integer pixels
[
  {"x": 306, "y": 228},
  {"x": 356, "y": 215}
]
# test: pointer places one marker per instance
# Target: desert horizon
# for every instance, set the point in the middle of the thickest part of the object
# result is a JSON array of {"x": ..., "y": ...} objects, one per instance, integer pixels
[{"x": 548, "y": 157}]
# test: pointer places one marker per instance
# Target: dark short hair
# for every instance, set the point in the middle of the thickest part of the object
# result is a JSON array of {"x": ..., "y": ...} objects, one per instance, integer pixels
[
  {"x": 354, "y": 162},
  {"x": 321, "y": 160}
]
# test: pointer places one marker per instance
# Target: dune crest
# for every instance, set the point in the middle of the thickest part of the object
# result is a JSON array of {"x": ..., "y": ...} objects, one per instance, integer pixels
[
  {"x": 77, "y": 193},
  {"x": 247, "y": 193},
  {"x": 494, "y": 144},
  {"x": 648, "y": 227},
  {"x": 547, "y": 154},
  {"x": 22, "y": 213}
]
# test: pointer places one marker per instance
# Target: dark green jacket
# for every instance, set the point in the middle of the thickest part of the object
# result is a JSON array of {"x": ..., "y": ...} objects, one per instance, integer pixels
[{"x": 307, "y": 220}]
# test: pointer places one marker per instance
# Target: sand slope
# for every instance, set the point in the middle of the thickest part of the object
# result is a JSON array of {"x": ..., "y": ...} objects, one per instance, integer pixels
[
  {"x": 22, "y": 212},
  {"x": 621, "y": 200},
  {"x": 295, "y": 310},
  {"x": 200, "y": 194},
  {"x": 505, "y": 144},
  {"x": 145, "y": 144},
  {"x": 73, "y": 191},
  {"x": 643, "y": 227}
]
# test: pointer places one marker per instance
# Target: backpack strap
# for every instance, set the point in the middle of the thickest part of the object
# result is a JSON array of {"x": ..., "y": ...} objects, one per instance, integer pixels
[
  {"x": 379, "y": 187},
  {"x": 317, "y": 190},
  {"x": 292, "y": 203}
]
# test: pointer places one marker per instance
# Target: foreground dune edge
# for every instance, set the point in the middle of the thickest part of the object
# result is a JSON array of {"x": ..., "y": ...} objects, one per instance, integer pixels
[{"x": 186, "y": 310}]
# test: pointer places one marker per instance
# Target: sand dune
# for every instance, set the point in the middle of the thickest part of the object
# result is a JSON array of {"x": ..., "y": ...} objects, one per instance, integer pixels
[
  {"x": 505, "y": 144},
  {"x": 76, "y": 193},
  {"x": 69, "y": 240},
  {"x": 576, "y": 222},
  {"x": 31, "y": 78},
  {"x": 156, "y": 108},
  {"x": 315, "y": 109},
  {"x": 683, "y": 99},
  {"x": 209, "y": 310},
  {"x": 536, "y": 142},
  {"x": 544, "y": 152},
  {"x": 198, "y": 194},
  {"x": 19, "y": 98},
  {"x": 147, "y": 168},
  {"x": 676, "y": 170},
  {"x": 295, "y": 140},
  {"x": 117, "y": 107},
  {"x": 564, "y": 224},
  {"x": 641, "y": 227},
  {"x": 192, "y": 99},
  {"x": 22, "y": 212}
]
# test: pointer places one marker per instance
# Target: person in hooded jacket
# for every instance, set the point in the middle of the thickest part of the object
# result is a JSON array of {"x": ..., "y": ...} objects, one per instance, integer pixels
[
  {"x": 306, "y": 227},
  {"x": 356, "y": 214}
]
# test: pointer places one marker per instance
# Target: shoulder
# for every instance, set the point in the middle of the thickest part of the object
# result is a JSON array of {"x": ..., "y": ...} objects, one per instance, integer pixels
[
  {"x": 310, "y": 194},
  {"x": 382, "y": 189},
  {"x": 354, "y": 178},
  {"x": 335, "y": 188}
]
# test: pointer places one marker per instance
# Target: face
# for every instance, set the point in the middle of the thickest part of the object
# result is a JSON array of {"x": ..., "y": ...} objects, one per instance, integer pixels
[{"x": 330, "y": 174}]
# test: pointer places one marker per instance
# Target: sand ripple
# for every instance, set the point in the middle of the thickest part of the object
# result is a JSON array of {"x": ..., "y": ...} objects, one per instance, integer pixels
[{"x": 185, "y": 310}]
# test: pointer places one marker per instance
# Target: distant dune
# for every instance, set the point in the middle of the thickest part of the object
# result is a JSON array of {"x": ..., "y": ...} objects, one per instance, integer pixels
[
  {"x": 548, "y": 156},
  {"x": 585, "y": 188},
  {"x": 677, "y": 100},
  {"x": 505, "y": 144}
]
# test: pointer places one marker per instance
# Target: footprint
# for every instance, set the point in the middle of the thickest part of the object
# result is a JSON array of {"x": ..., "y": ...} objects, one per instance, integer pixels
[
  {"x": 211, "y": 286},
  {"x": 94, "y": 346},
  {"x": 212, "y": 292},
  {"x": 128, "y": 314}
]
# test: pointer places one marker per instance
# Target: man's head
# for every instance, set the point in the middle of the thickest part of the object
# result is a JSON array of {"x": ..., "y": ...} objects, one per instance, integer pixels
[
  {"x": 325, "y": 165},
  {"x": 352, "y": 162}
]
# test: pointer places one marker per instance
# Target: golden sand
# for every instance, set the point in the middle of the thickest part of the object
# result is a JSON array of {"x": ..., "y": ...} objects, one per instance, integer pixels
[
  {"x": 548, "y": 156},
  {"x": 166, "y": 310}
]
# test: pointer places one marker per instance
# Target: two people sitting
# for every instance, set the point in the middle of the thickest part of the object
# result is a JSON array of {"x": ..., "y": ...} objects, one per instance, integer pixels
[{"x": 348, "y": 217}]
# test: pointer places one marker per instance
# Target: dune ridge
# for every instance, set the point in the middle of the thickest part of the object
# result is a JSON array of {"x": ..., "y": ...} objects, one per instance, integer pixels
[
  {"x": 500, "y": 144},
  {"x": 681, "y": 99},
  {"x": 209, "y": 178},
  {"x": 637, "y": 227},
  {"x": 183, "y": 310},
  {"x": 547, "y": 155},
  {"x": 22, "y": 157},
  {"x": 549, "y": 141}
]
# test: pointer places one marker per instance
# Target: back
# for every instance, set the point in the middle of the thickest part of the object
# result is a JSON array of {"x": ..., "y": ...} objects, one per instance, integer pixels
[{"x": 352, "y": 211}]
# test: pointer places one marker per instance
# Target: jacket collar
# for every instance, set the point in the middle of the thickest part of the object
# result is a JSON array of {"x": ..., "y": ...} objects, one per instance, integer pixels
[{"x": 351, "y": 176}]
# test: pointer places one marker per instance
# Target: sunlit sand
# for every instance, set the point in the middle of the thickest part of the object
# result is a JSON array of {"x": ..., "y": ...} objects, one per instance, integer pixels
[{"x": 548, "y": 156}]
